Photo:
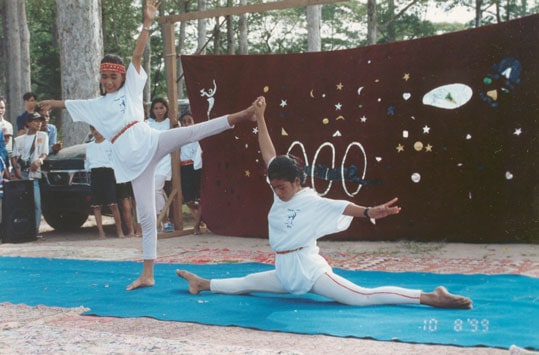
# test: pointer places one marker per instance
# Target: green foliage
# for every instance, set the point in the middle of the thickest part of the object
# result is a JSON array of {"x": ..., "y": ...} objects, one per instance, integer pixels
[
  {"x": 121, "y": 24},
  {"x": 44, "y": 51}
]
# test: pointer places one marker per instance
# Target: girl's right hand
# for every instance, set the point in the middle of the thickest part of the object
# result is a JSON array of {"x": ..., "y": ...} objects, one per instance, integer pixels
[
  {"x": 151, "y": 9},
  {"x": 260, "y": 106}
]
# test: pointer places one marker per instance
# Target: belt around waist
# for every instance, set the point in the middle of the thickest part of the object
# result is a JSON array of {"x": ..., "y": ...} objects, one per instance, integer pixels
[
  {"x": 186, "y": 162},
  {"x": 288, "y": 251},
  {"x": 126, "y": 127}
]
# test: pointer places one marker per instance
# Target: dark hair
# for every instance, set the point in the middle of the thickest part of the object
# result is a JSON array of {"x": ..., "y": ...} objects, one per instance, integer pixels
[
  {"x": 288, "y": 168},
  {"x": 27, "y": 96},
  {"x": 185, "y": 113},
  {"x": 156, "y": 101},
  {"x": 111, "y": 58}
]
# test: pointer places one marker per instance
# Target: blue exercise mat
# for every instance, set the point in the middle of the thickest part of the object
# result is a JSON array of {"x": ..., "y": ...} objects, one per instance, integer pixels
[{"x": 506, "y": 307}]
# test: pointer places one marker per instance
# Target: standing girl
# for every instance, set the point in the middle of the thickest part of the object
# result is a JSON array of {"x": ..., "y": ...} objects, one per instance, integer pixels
[
  {"x": 297, "y": 218},
  {"x": 136, "y": 147},
  {"x": 160, "y": 121},
  {"x": 191, "y": 173}
]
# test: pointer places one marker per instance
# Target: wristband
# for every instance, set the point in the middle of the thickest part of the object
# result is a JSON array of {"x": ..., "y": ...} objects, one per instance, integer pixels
[
  {"x": 366, "y": 212},
  {"x": 146, "y": 29}
]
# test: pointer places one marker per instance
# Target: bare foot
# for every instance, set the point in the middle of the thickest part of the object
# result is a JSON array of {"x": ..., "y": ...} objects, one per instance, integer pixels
[
  {"x": 121, "y": 236},
  {"x": 140, "y": 283},
  {"x": 441, "y": 298},
  {"x": 196, "y": 283},
  {"x": 132, "y": 235},
  {"x": 102, "y": 236}
]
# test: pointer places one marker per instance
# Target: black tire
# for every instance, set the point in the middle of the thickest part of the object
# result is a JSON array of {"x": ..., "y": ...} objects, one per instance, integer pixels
[{"x": 65, "y": 220}]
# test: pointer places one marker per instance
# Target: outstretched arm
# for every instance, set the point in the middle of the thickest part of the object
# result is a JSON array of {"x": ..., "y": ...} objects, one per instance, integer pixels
[
  {"x": 376, "y": 212},
  {"x": 264, "y": 140},
  {"x": 50, "y": 104},
  {"x": 150, "y": 11}
]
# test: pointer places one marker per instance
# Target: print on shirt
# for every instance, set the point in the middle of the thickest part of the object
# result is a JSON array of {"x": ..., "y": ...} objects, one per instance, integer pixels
[
  {"x": 121, "y": 101},
  {"x": 292, "y": 213}
]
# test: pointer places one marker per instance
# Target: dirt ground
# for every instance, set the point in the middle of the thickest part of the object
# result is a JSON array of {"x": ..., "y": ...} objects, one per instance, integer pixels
[{"x": 42, "y": 329}]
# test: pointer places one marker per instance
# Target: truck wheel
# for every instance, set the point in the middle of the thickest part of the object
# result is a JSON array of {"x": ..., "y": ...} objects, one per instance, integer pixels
[{"x": 65, "y": 220}]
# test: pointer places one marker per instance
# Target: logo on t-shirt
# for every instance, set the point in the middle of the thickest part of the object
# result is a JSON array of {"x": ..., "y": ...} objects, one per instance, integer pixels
[{"x": 292, "y": 213}]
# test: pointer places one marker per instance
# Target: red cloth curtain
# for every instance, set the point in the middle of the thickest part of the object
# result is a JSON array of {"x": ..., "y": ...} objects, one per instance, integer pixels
[{"x": 462, "y": 159}]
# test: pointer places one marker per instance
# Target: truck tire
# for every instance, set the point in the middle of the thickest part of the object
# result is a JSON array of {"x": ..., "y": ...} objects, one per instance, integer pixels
[{"x": 64, "y": 220}]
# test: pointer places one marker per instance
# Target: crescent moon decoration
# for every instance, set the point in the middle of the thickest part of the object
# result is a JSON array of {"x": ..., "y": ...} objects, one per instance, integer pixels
[
  {"x": 359, "y": 90},
  {"x": 340, "y": 118},
  {"x": 312, "y": 93},
  {"x": 449, "y": 96}
]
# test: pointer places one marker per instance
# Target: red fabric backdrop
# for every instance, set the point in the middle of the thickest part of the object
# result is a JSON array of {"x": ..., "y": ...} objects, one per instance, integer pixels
[{"x": 465, "y": 168}]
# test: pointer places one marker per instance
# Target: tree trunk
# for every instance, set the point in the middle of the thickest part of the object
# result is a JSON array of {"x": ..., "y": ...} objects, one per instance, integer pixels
[
  {"x": 371, "y": 22},
  {"x": 81, "y": 50},
  {"x": 314, "y": 14},
  {"x": 201, "y": 29},
  {"x": 243, "y": 44},
  {"x": 391, "y": 35},
  {"x": 229, "y": 31},
  {"x": 17, "y": 54},
  {"x": 478, "y": 12},
  {"x": 217, "y": 37}
]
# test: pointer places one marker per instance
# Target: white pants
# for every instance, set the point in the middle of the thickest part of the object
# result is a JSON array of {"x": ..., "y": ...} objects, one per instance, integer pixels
[
  {"x": 329, "y": 285},
  {"x": 144, "y": 184}
]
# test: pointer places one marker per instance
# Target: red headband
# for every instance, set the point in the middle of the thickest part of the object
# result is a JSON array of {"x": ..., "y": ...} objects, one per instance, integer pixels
[{"x": 118, "y": 68}]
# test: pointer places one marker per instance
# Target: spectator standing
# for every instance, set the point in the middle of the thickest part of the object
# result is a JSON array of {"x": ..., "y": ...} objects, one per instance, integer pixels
[
  {"x": 3, "y": 171},
  {"x": 29, "y": 152},
  {"x": 159, "y": 120},
  {"x": 29, "y": 99},
  {"x": 103, "y": 186},
  {"x": 52, "y": 132},
  {"x": 191, "y": 173},
  {"x": 6, "y": 127}
]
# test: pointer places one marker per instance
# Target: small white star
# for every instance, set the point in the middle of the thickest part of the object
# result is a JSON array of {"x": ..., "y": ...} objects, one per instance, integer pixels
[
  {"x": 283, "y": 103},
  {"x": 255, "y": 130},
  {"x": 338, "y": 106},
  {"x": 426, "y": 129},
  {"x": 517, "y": 132},
  {"x": 363, "y": 119}
]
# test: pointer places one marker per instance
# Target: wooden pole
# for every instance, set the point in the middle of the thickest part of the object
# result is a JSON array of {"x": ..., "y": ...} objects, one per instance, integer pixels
[
  {"x": 170, "y": 69},
  {"x": 239, "y": 10}
]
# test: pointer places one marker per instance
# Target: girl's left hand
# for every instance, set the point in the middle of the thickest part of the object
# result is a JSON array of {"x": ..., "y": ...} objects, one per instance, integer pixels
[{"x": 385, "y": 209}]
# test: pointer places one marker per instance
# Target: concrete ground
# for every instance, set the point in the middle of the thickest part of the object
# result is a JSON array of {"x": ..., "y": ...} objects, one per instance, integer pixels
[{"x": 29, "y": 330}]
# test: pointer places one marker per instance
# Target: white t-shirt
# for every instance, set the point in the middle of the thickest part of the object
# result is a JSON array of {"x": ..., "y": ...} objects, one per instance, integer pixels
[
  {"x": 135, "y": 147},
  {"x": 298, "y": 223},
  {"x": 192, "y": 151},
  {"x": 164, "y": 167},
  {"x": 23, "y": 146},
  {"x": 98, "y": 155}
]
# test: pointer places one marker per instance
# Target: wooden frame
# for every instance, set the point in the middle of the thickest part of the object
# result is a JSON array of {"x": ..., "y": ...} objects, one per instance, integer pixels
[{"x": 171, "y": 74}]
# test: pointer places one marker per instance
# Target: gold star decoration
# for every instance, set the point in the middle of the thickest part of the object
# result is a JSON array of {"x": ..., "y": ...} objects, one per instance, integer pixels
[
  {"x": 400, "y": 148},
  {"x": 247, "y": 173},
  {"x": 339, "y": 86},
  {"x": 428, "y": 148},
  {"x": 406, "y": 76}
]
